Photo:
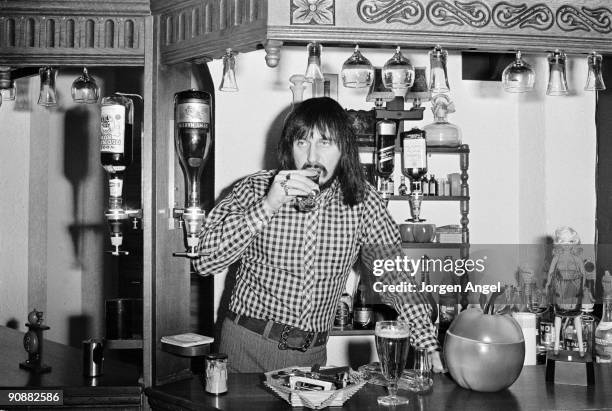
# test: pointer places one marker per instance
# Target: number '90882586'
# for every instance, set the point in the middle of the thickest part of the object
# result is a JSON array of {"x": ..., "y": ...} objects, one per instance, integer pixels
[{"x": 29, "y": 397}]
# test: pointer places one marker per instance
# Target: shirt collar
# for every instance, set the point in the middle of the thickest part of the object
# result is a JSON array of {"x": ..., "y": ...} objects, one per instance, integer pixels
[{"x": 331, "y": 193}]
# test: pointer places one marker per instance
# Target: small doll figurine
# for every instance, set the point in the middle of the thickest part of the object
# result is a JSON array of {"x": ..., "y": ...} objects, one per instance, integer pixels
[
  {"x": 566, "y": 276},
  {"x": 530, "y": 295}
]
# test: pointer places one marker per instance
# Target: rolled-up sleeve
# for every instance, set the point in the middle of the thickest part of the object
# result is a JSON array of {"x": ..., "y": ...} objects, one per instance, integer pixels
[
  {"x": 231, "y": 226},
  {"x": 381, "y": 241}
]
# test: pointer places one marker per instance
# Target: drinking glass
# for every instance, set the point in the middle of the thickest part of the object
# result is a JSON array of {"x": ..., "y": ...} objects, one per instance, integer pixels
[
  {"x": 421, "y": 371},
  {"x": 419, "y": 92},
  {"x": 306, "y": 204},
  {"x": 84, "y": 89},
  {"x": 228, "y": 81},
  {"x": 398, "y": 73},
  {"x": 314, "y": 74},
  {"x": 48, "y": 95},
  {"x": 7, "y": 85},
  {"x": 438, "y": 77},
  {"x": 557, "y": 81},
  {"x": 392, "y": 342},
  {"x": 415, "y": 198},
  {"x": 357, "y": 71},
  {"x": 378, "y": 93},
  {"x": 518, "y": 76},
  {"x": 595, "y": 79},
  {"x": 313, "y": 69},
  {"x": 297, "y": 87},
  {"x": 9, "y": 94}
]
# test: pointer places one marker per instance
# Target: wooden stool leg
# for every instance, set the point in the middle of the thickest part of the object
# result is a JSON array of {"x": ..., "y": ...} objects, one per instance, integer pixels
[
  {"x": 578, "y": 327},
  {"x": 557, "y": 334}
]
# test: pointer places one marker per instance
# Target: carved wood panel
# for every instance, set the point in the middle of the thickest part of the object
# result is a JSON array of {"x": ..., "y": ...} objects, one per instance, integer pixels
[
  {"x": 205, "y": 28},
  {"x": 479, "y": 14},
  {"x": 202, "y": 29},
  {"x": 72, "y": 33},
  {"x": 577, "y": 26}
]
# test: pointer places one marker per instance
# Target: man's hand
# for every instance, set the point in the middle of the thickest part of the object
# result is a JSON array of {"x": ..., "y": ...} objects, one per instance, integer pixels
[
  {"x": 287, "y": 185},
  {"x": 436, "y": 362}
]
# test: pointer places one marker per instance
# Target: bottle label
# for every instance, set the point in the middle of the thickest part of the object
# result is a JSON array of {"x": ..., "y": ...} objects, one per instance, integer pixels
[
  {"x": 342, "y": 314},
  {"x": 390, "y": 187},
  {"x": 192, "y": 115},
  {"x": 386, "y": 154},
  {"x": 425, "y": 187},
  {"x": 362, "y": 316},
  {"x": 112, "y": 126},
  {"x": 414, "y": 153},
  {"x": 603, "y": 342},
  {"x": 604, "y": 350},
  {"x": 547, "y": 333},
  {"x": 116, "y": 187}
]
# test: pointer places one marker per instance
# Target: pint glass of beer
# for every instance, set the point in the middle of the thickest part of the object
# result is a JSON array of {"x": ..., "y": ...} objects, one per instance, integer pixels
[{"x": 392, "y": 341}]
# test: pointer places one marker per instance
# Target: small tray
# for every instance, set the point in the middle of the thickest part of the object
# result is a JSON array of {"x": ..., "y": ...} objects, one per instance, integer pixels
[{"x": 315, "y": 400}]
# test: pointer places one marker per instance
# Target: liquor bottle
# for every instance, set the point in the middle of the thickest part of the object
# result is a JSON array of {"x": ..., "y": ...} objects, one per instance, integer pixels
[
  {"x": 402, "y": 189},
  {"x": 545, "y": 337},
  {"x": 116, "y": 142},
  {"x": 414, "y": 154},
  {"x": 603, "y": 333},
  {"x": 382, "y": 185},
  {"x": 589, "y": 324},
  {"x": 385, "y": 147},
  {"x": 425, "y": 186},
  {"x": 569, "y": 337},
  {"x": 342, "y": 318},
  {"x": 193, "y": 138},
  {"x": 362, "y": 312},
  {"x": 390, "y": 186},
  {"x": 433, "y": 186}
]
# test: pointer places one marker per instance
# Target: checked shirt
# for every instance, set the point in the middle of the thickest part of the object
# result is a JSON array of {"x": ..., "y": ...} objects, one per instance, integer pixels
[{"x": 294, "y": 265}]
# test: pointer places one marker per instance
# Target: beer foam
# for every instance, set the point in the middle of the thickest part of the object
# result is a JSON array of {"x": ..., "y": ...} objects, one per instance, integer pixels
[{"x": 393, "y": 333}]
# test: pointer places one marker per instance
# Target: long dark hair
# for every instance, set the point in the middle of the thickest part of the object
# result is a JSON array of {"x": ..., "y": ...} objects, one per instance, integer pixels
[{"x": 327, "y": 116}]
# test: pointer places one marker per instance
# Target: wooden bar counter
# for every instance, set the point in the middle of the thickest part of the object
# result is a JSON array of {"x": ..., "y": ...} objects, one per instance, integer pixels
[
  {"x": 117, "y": 388},
  {"x": 529, "y": 392}
]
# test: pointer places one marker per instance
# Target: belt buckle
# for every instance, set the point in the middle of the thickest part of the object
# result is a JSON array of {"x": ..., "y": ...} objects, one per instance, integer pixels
[
  {"x": 307, "y": 341},
  {"x": 283, "y": 345}
]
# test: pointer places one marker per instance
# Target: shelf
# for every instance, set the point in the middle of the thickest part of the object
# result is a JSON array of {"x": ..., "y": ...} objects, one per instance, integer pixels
[
  {"x": 132, "y": 344},
  {"x": 406, "y": 244},
  {"x": 432, "y": 198},
  {"x": 345, "y": 332},
  {"x": 464, "y": 148},
  {"x": 412, "y": 114}
]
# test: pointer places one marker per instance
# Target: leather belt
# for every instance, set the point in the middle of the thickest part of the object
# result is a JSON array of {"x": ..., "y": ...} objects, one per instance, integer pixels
[{"x": 288, "y": 337}]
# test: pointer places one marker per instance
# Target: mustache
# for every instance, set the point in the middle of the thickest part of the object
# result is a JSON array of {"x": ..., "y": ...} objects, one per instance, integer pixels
[{"x": 322, "y": 169}]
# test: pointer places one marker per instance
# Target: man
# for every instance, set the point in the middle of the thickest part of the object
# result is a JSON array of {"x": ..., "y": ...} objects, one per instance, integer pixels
[{"x": 294, "y": 264}]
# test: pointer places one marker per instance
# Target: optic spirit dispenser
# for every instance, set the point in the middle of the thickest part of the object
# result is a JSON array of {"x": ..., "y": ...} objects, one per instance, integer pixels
[
  {"x": 116, "y": 146},
  {"x": 193, "y": 140}
]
